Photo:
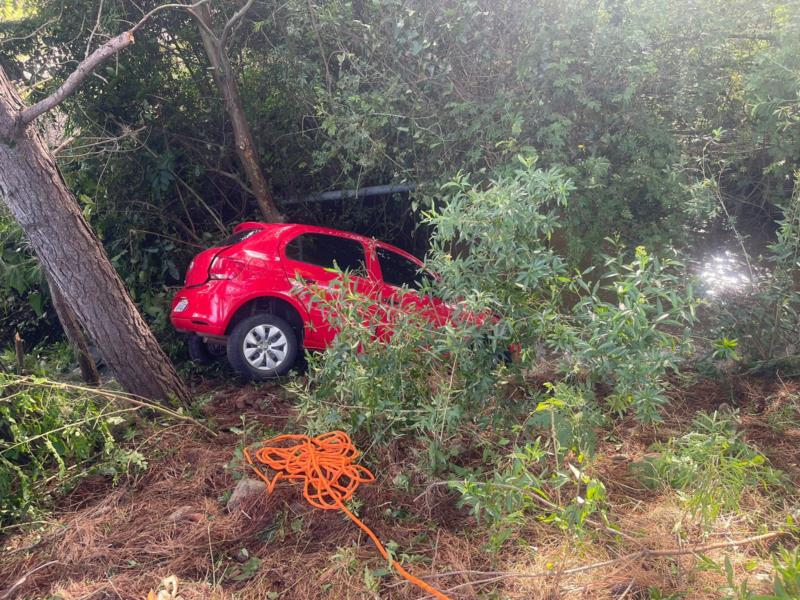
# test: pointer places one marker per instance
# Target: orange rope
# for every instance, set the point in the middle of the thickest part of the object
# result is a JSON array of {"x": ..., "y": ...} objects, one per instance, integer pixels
[{"x": 325, "y": 466}]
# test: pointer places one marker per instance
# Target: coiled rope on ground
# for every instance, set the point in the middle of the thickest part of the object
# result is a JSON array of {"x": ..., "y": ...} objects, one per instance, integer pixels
[{"x": 326, "y": 466}]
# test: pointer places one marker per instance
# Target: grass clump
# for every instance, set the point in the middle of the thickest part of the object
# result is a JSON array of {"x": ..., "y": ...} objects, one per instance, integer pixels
[{"x": 711, "y": 467}]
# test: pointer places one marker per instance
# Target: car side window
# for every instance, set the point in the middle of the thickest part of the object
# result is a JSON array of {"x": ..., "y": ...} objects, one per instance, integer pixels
[
  {"x": 328, "y": 252},
  {"x": 397, "y": 270}
]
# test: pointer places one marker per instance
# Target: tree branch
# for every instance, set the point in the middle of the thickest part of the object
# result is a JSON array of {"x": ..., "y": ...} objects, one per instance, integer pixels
[
  {"x": 235, "y": 178},
  {"x": 226, "y": 31},
  {"x": 94, "y": 29},
  {"x": 33, "y": 33},
  {"x": 89, "y": 64},
  {"x": 201, "y": 21},
  {"x": 495, "y": 576},
  {"x": 76, "y": 78}
]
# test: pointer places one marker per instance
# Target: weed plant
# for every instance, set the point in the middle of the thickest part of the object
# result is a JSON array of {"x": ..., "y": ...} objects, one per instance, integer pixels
[{"x": 710, "y": 466}]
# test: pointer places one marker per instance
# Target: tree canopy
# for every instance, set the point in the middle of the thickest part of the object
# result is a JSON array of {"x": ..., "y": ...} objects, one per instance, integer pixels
[{"x": 668, "y": 116}]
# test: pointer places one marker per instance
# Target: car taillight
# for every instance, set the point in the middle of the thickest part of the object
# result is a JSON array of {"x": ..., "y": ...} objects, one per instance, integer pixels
[
  {"x": 225, "y": 268},
  {"x": 188, "y": 272}
]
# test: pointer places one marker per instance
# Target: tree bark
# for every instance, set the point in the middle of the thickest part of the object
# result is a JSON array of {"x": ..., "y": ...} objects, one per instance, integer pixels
[
  {"x": 74, "y": 260},
  {"x": 72, "y": 329},
  {"x": 229, "y": 89}
]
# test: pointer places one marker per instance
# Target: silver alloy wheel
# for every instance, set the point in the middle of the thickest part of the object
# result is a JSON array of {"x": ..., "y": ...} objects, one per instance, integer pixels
[{"x": 264, "y": 347}]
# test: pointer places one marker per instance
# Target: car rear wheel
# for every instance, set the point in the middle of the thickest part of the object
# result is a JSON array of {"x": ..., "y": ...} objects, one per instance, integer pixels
[{"x": 262, "y": 347}]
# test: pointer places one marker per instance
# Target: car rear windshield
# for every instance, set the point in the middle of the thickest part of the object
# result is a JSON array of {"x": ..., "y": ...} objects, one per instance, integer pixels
[
  {"x": 399, "y": 271},
  {"x": 328, "y": 252},
  {"x": 239, "y": 236}
]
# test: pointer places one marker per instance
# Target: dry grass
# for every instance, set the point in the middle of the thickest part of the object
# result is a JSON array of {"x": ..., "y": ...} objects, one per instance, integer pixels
[{"x": 119, "y": 542}]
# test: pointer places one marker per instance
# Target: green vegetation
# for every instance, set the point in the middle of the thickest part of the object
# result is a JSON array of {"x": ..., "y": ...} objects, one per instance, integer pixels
[
  {"x": 665, "y": 116},
  {"x": 711, "y": 466},
  {"x": 575, "y": 164},
  {"x": 51, "y": 437}
]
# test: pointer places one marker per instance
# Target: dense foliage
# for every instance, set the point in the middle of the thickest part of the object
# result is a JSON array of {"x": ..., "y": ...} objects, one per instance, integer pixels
[
  {"x": 570, "y": 163},
  {"x": 665, "y": 116}
]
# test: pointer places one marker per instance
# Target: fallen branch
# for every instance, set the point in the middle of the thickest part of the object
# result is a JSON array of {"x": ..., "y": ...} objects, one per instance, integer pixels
[
  {"x": 495, "y": 576},
  {"x": 136, "y": 401}
]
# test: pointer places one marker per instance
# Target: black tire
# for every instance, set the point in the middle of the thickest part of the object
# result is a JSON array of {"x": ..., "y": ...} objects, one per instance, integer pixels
[
  {"x": 198, "y": 351},
  {"x": 288, "y": 345}
]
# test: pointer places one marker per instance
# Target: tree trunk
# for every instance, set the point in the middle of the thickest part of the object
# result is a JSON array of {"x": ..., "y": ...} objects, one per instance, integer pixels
[
  {"x": 243, "y": 137},
  {"x": 72, "y": 329},
  {"x": 74, "y": 260}
]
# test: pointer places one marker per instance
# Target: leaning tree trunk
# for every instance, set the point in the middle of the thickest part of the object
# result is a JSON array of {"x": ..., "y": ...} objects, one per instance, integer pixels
[
  {"x": 243, "y": 136},
  {"x": 74, "y": 259},
  {"x": 72, "y": 329}
]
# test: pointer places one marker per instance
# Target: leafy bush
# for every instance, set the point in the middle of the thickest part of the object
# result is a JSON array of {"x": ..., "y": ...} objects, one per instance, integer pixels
[
  {"x": 629, "y": 331},
  {"x": 432, "y": 379},
  {"x": 625, "y": 329},
  {"x": 490, "y": 245},
  {"x": 711, "y": 466},
  {"x": 547, "y": 477},
  {"x": 46, "y": 431},
  {"x": 490, "y": 248}
]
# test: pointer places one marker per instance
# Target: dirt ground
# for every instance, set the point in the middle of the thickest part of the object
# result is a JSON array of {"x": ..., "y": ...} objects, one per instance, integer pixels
[{"x": 170, "y": 520}]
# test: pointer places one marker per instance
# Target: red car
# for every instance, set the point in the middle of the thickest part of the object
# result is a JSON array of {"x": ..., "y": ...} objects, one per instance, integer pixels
[{"x": 240, "y": 297}]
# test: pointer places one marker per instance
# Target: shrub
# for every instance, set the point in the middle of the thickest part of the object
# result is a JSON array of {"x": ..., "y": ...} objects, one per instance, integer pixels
[
  {"x": 626, "y": 328},
  {"x": 491, "y": 245},
  {"x": 491, "y": 249},
  {"x": 628, "y": 331},
  {"x": 47, "y": 430},
  {"x": 711, "y": 466}
]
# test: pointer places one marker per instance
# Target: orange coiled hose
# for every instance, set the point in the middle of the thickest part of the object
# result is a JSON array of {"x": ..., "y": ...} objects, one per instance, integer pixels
[{"x": 325, "y": 466}]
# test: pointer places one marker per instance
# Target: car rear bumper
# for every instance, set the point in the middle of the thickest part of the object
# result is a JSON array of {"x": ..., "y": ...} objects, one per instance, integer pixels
[{"x": 204, "y": 312}]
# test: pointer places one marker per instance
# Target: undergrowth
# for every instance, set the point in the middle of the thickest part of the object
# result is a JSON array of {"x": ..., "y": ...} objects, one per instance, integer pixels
[
  {"x": 710, "y": 466},
  {"x": 50, "y": 437},
  {"x": 507, "y": 290},
  {"x": 537, "y": 362}
]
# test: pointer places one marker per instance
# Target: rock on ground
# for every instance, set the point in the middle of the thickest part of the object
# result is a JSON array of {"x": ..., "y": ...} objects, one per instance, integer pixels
[{"x": 244, "y": 490}]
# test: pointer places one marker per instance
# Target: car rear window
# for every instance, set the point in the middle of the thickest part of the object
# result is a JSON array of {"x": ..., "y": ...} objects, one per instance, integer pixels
[
  {"x": 399, "y": 271},
  {"x": 239, "y": 236},
  {"x": 328, "y": 252}
]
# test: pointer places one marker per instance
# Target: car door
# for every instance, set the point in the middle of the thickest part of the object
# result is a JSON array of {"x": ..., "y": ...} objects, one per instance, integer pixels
[{"x": 316, "y": 259}]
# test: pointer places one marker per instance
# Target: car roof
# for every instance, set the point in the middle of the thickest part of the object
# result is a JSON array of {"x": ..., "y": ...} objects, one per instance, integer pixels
[{"x": 299, "y": 228}]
